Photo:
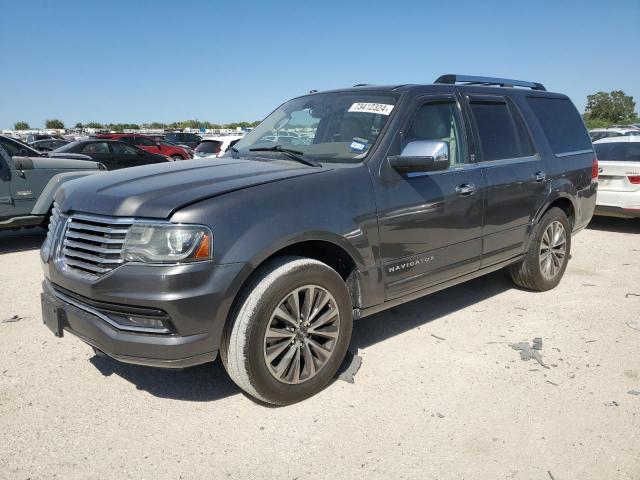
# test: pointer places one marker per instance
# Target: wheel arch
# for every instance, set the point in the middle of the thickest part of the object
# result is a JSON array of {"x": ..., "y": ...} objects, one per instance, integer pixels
[
  {"x": 323, "y": 249},
  {"x": 563, "y": 199},
  {"x": 330, "y": 250}
]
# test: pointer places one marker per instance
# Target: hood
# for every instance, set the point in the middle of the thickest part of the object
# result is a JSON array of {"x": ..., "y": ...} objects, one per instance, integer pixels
[
  {"x": 158, "y": 190},
  {"x": 75, "y": 156},
  {"x": 47, "y": 163}
]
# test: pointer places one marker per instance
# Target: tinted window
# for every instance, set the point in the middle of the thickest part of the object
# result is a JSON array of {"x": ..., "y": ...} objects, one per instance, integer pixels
[
  {"x": 618, "y": 151},
  {"x": 561, "y": 123},
  {"x": 437, "y": 122},
  {"x": 146, "y": 142},
  {"x": 123, "y": 149},
  {"x": 171, "y": 137},
  {"x": 99, "y": 147},
  {"x": 209, "y": 146},
  {"x": 501, "y": 129},
  {"x": 12, "y": 149}
]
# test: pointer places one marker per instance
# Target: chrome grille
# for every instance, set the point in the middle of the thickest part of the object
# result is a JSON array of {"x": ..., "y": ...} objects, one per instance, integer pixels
[
  {"x": 54, "y": 220},
  {"x": 92, "y": 245}
]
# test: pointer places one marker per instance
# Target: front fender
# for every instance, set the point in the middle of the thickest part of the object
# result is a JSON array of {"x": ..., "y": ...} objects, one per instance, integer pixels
[{"x": 45, "y": 200}]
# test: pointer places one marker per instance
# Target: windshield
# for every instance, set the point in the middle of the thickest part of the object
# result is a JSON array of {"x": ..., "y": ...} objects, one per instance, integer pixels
[
  {"x": 618, "y": 151},
  {"x": 328, "y": 127},
  {"x": 68, "y": 147}
]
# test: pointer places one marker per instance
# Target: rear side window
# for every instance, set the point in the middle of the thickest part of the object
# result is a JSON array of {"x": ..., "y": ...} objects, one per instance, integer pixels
[
  {"x": 501, "y": 128},
  {"x": 562, "y": 124}
]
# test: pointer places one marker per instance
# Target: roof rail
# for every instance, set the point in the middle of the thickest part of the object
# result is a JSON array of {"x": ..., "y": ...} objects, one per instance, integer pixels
[
  {"x": 452, "y": 79},
  {"x": 361, "y": 85}
]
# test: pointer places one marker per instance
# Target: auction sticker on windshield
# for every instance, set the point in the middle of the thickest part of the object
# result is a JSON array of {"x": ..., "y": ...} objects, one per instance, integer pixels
[{"x": 380, "y": 108}]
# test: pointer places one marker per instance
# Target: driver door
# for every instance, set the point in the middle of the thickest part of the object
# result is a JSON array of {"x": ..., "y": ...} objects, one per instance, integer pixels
[
  {"x": 6, "y": 201},
  {"x": 430, "y": 222}
]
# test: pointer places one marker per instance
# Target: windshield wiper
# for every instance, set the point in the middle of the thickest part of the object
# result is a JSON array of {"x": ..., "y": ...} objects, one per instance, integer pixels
[{"x": 292, "y": 154}]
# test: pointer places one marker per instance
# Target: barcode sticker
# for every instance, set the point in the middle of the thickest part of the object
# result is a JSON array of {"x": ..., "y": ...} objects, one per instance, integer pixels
[{"x": 379, "y": 108}]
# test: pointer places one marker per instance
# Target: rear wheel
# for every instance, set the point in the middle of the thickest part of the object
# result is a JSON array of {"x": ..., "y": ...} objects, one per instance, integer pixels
[
  {"x": 548, "y": 254},
  {"x": 177, "y": 157},
  {"x": 291, "y": 331}
]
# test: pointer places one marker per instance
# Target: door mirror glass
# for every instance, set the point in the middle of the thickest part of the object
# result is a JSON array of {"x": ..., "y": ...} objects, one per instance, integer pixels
[{"x": 422, "y": 156}]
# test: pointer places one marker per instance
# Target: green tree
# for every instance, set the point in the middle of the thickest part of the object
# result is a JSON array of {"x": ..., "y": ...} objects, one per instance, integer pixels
[
  {"x": 93, "y": 125},
  {"x": 54, "y": 123},
  {"x": 78, "y": 125},
  {"x": 612, "y": 107},
  {"x": 21, "y": 126}
]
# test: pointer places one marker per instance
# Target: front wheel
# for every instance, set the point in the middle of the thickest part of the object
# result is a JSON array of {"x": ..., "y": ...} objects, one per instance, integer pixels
[
  {"x": 291, "y": 331},
  {"x": 177, "y": 157},
  {"x": 549, "y": 249}
]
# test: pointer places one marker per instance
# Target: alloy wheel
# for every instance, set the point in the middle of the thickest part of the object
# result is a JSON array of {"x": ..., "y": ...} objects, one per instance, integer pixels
[
  {"x": 553, "y": 249},
  {"x": 301, "y": 335}
]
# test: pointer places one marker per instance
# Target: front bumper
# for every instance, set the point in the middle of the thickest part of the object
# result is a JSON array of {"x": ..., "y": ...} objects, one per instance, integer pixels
[{"x": 194, "y": 298}]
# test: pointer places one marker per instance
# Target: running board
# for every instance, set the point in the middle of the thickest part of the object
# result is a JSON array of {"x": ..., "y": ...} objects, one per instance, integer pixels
[
  {"x": 26, "y": 221},
  {"x": 365, "y": 312}
]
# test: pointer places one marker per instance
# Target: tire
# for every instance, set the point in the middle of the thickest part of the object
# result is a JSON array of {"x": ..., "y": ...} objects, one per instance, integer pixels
[
  {"x": 177, "y": 157},
  {"x": 543, "y": 268},
  {"x": 247, "y": 351}
]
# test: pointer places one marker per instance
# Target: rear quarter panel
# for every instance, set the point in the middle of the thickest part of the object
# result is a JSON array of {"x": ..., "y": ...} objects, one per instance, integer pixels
[{"x": 569, "y": 176}]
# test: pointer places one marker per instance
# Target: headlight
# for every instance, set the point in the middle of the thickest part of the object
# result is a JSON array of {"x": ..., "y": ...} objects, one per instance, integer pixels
[{"x": 158, "y": 243}]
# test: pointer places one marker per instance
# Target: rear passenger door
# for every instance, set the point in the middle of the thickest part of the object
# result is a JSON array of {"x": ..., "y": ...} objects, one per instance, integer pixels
[
  {"x": 514, "y": 175},
  {"x": 147, "y": 144},
  {"x": 127, "y": 156},
  {"x": 99, "y": 152}
]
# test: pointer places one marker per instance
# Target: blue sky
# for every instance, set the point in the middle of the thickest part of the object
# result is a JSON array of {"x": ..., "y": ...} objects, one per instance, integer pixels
[{"x": 142, "y": 61}]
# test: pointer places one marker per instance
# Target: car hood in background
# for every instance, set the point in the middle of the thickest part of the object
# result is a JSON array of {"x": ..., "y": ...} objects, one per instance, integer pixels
[
  {"x": 57, "y": 163},
  {"x": 157, "y": 191},
  {"x": 75, "y": 156}
]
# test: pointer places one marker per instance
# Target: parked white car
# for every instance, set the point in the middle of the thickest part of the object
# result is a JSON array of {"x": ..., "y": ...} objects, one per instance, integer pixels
[
  {"x": 211, "y": 147},
  {"x": 600, "y": 133},
  {"x": 619, "y": 176}
]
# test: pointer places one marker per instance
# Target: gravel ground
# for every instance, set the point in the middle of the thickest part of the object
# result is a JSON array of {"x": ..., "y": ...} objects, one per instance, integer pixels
[{"x": 441, "y": 392}]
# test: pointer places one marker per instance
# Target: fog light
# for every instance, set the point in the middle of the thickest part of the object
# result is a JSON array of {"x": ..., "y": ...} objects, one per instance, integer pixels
[{"x": 144, "y": 324}]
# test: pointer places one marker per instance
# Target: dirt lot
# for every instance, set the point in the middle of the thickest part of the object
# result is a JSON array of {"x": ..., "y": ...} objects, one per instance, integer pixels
[{"x": 441, "y": 392}]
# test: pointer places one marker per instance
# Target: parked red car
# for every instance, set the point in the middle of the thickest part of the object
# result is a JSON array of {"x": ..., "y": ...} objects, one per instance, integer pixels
[{"x": 149, "y": 144}]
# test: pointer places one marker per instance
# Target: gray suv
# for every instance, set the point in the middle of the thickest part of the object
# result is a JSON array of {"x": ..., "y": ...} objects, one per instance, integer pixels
[
  {"x": 28, "y": 184},
  {"x": 267, "y": 256}
]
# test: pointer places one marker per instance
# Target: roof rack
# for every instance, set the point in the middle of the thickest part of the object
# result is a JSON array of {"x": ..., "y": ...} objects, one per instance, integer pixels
[
  {"x": 361, "y": 85},
  {"x": 452, "y": 79}
]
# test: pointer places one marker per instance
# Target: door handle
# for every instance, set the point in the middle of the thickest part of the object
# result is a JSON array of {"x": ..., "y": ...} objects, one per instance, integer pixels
[
  {"x": 465, "y": 189},
  {"x": 540, "y": 176}
]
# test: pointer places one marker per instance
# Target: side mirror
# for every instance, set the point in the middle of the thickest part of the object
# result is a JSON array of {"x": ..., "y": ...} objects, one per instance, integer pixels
[{"x": 422, "y": 156}]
